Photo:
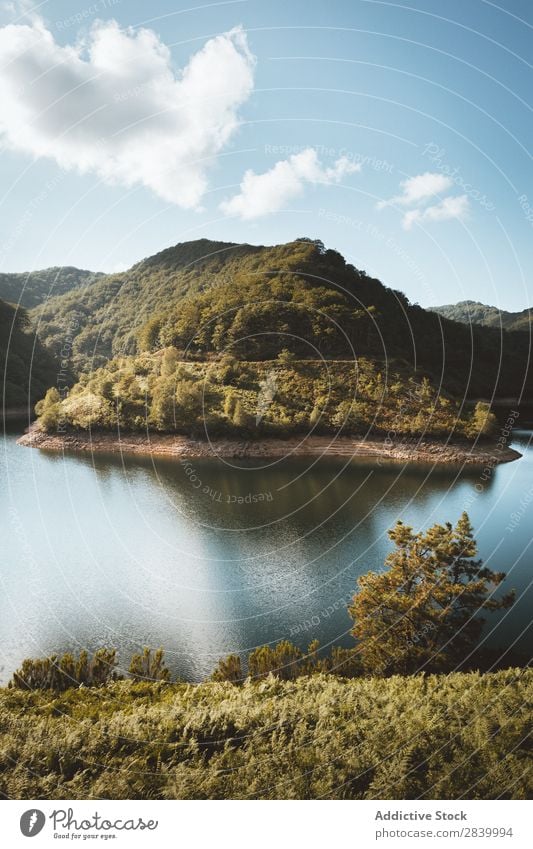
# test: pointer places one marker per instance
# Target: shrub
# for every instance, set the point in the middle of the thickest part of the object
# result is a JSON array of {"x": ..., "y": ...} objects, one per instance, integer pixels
[
  {"x": 53, "y": 673},
  {"x": 148, "y": 666}
]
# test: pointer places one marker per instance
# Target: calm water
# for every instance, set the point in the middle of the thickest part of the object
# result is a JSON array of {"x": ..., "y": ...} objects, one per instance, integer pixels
[{"x": 211, "y": 559}]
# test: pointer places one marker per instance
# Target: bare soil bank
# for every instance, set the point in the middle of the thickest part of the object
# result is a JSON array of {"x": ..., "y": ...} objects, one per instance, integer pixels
[{"x": 431, "y": 451}]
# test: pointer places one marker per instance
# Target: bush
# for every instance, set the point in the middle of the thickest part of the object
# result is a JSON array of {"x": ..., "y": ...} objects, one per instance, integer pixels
[
  {"x": 433, "y": 737},
  {"x": 60, "y": 674},
  {"x": 148, "y": 666}
]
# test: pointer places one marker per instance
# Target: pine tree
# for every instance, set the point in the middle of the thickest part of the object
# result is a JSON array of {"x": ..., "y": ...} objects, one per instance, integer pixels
[
  {"x": 148, "y": 666},
  {"x": 422, "y": 613}
]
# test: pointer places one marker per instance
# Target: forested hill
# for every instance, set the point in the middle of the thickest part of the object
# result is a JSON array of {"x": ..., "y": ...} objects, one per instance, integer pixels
[
  {"x": 206, "y": 298},
  {"x": 29, "y": 289},
  {"x": 473, "y": 312},
  {"x": 26, "y": 368}
]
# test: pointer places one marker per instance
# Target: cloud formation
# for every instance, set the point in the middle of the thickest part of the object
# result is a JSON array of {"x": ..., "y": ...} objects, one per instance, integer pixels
[
  {"x": 419, "y": 188},
  {"x": 418, "y": 191},
  {"x": 263, "y": 194},
  {"x": 450, "y": 207},
  {"x": 112, "y": 104}
]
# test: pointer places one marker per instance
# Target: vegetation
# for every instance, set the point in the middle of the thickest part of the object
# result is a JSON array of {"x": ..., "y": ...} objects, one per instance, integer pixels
[
  {"x": 26, "y": 368},
  {"x": 60, "y": 674},
  {"x": 257, "y": 399},
  {"x": 473, "y": 312},
  {"x": 32, "y": 288},
  {"x": 292, "y": 725},
  {"x": 210, "y": 298},
  {"x": 422, "y": 612},
  {"x": 149, "y": 666},
  {"x": 63, "y": 673},
  {"x": 432, "y": 737}
]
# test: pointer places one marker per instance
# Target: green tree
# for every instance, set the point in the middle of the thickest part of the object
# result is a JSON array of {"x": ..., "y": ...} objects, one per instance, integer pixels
[
  {"x": 149, "y": 666},
  {"x": 162, "y": 409},
  {"x": 286, "y": 357},
  {"x": 482, "y": 422},
  {"x": 229, "y": 669},
  {"x": 49, "y": 409},
  {"x": 283, "y": 661},
  {"x": 169, "y": 362},
  {"x": 421, "y": 613},
  {"x": 241, "y": 418}
]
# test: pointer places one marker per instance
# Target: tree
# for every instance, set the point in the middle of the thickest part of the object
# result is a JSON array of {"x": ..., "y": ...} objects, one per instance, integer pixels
[
  {"x": 283, "y": 661},
  {"x": 241, "y": 418},
  {"x": 482, "y": 422},
  {"x": 422, "y": 612},
  {"x": 229, "y": 669},
  {"x": 87, "y": 410},
  {"x": 286, "y": 357},
  {"x": 49, "y": 409},
  {"x": 148, "y": 666},
  {"x": 162, "y": 409},
  {"x": 54, "y": 673},
  {"x": 169, "y": 362},
  {"x": 148, "y": 336}
]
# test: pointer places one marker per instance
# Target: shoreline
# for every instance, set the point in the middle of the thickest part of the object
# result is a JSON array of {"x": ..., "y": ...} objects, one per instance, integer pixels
[{"x": 172, "y": 445}]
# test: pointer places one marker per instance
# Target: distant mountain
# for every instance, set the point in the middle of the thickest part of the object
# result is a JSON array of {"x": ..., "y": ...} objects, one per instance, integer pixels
[
  {"x": 27, "y": 369},
  {"x": 206, "y": 299},
  {"x": 29, "y": 289},
  {"x": 473, "y": 312}
]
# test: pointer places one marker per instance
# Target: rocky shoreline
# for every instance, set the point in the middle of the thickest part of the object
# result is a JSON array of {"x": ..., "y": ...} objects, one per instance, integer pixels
[{"x": 169, "y": 445}]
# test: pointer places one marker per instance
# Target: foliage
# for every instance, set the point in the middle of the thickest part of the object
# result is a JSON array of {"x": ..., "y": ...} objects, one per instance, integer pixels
[
  {"x": 227, "y": 396},
  {"x": 29, "y": 289},
  {"x": 149, "y": 666},
  {"x": 473, "y": 312},
  {"x": 421, "y": 613},
  {"x": 287, "y": 662},
  {"x": 252, "y": 302},
  {"x": 482, "y": 422},
  {"x": 26, "y": 368},
  {"x": 60, "y": 674},
  {"x": 433, "y": 737},
  {"x": 229, "y": 669},
  {"x": 49, "y": 409}
]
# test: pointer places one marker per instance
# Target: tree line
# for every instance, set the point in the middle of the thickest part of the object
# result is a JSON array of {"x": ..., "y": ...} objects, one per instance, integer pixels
[{"x": 422, "y": 613}]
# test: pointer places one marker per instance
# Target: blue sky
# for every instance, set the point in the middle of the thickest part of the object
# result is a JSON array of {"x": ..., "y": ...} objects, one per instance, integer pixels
[{"x": 398, "y": 133}]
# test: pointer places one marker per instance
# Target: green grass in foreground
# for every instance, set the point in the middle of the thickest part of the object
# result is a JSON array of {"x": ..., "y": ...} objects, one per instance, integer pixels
[{"x": 434, "y": 737}]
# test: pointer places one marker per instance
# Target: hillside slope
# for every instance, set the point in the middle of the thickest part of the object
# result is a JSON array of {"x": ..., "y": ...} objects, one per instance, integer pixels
[
  {"x": 435, "y": 737},
  {"x": 29, "y": 289},
  {"x": 208, "y": 298},
  {"x": 27, "y": 369},
  {"x": 474, "y": 312}
]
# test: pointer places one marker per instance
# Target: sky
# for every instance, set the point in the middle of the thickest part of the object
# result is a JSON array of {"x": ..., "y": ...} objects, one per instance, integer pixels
[{"x": 398, "y": 133}]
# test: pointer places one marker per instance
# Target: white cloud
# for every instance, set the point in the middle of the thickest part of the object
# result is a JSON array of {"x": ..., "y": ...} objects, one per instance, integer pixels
[
  {"x": 112, "y": 104},
  {"x": 263, "y": 194},
  {"x": 419, "y": 188},
  {"x": 450, "y": 207}
]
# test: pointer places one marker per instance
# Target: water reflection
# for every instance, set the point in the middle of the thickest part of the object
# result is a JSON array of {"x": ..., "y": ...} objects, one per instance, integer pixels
[{"x": 209, "y": 558}]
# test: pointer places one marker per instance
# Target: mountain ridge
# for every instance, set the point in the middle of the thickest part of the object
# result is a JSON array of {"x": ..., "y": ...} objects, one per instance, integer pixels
[
  {"x": 485, "y": 315},
  {"x": 206, "y": 298},
  {"x": 31, "y": 288}
]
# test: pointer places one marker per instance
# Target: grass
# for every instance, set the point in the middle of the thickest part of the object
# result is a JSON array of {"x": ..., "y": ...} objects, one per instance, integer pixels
[{"x": 433, "y": 737}]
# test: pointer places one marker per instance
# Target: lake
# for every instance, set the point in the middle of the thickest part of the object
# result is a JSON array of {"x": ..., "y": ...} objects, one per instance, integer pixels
[{"x": 210, "y": 557}]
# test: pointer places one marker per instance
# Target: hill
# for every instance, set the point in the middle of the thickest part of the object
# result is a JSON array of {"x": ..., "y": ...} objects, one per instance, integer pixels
[
  {"x": 211, "y": 298},
  {"x": 473, "y": 312},
  {"x": 29, "y": 289},
  {"x": 27, "y": 369},
  {"x": 253, "y": 400},
  {"x": 462, "y": 735}
]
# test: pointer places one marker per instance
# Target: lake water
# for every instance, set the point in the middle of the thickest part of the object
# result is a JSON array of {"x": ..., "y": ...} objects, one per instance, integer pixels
[{"x": 210, "y": 558}]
